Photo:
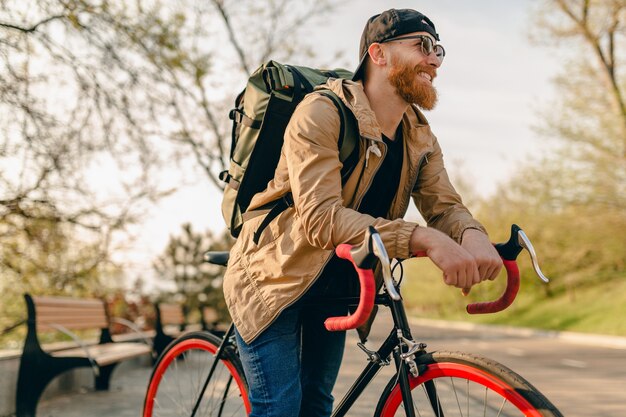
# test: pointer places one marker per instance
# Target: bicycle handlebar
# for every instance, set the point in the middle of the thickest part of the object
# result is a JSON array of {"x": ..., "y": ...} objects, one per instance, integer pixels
[
  {"x": 507, "y": 297},
  {"x": 363, "y": 259},
  {"x": 366, "y": 297},
  {"x": 510, "y": 292},
  {"x": 508, "y": 252}
]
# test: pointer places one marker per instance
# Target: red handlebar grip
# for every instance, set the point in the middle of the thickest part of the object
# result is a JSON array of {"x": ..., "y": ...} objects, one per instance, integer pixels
[
  {"x": 506, "y": 299},
  {"x": 366, "y": 298}
]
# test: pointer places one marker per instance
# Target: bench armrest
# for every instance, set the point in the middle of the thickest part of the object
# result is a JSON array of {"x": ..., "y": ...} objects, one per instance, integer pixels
[
  {"x": 133, "y": 327},
  {"x": 80, "y": 343}
]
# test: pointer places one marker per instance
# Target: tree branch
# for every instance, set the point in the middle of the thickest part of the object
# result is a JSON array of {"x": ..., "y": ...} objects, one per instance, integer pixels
[
  {"x": 605, "y": 63},
  {"x": 219, "y": 5},
  {"x": 34, "y": 27}
]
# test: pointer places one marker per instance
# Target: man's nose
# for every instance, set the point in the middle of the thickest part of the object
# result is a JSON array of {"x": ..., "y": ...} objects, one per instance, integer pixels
[{"x": 433, "y": 60}]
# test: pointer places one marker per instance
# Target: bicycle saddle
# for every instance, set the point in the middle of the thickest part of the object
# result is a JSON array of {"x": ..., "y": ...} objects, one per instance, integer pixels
[{"x": 216, "y": 258}]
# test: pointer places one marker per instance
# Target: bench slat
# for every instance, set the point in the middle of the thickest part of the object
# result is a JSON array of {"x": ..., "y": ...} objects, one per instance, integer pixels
[
  {"x": 43, "y": 310},
  {"x": 209, "y": 315},
  {"x": 171, "y": 314},
  {"x": 65, "y": 301},
  {"x": 74, "y": 324},
  {"x": 70, "y": 313},
  {"x": 108, "y": 353},
  {"x": 72, "y": 316}
]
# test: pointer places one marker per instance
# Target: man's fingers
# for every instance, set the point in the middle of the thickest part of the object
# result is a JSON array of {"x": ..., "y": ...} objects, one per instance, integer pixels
[
  {"x": 475, "y": 274},
  {"x": 489, "y": 270},
  {"x": 449, "y": 278},
  {"x": 485, "y": 272},
  {"x": 494, "y": 271}
]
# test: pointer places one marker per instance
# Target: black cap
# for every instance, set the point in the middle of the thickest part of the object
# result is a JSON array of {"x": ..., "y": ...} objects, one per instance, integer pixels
[{"x": 391, "y": 24}]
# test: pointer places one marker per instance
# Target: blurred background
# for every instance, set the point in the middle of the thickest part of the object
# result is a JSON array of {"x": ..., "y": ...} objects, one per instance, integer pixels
[{"x": 114, "y": 127}]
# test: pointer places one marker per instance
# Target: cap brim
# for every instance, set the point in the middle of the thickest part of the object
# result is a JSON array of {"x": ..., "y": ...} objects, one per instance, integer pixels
[{"x": 360, "y": 69}]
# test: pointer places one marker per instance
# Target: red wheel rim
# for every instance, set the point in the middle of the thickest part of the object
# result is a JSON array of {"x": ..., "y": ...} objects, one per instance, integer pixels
[
  {"x": 173, "y": 354},
  {"x": 458, "y": 370}
]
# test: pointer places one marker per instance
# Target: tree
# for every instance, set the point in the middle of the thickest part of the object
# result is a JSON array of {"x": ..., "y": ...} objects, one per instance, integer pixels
[
  {"x": 98, "y": 96},
  {"x": 589, "y": 116},
  {"x": 572, "y": 201},
  {"x": 182, "y": 263}
]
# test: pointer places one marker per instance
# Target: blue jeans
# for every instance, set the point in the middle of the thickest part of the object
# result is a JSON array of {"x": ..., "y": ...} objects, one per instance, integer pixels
[{"x": 292, "y": 366}]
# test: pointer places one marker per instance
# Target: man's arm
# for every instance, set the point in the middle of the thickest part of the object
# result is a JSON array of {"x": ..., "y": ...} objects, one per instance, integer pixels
[
  {"x": 463, "y": 238},
  {"x": 437, "y": 200}
]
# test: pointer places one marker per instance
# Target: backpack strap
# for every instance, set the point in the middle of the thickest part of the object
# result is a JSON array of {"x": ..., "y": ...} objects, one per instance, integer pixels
[
  {"x": 348, "y": 140},
  {"x": 277, "y": 207},
  {"x": 348, "y": 128}
]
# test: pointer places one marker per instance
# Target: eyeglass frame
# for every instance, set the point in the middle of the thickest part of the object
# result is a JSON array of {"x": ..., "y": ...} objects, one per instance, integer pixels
[{"x": 421, "y": 38}]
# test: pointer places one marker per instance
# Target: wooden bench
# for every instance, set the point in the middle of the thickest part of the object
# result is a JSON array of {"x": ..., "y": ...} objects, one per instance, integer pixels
[
  {"x": 209, "y": 320},
  {"x": 39, "y": 367},
  {"x": 170, "y": 323}
]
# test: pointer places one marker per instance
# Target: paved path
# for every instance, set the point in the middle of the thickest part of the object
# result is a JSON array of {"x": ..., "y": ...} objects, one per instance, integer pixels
[{"x": 582, "y": 381}]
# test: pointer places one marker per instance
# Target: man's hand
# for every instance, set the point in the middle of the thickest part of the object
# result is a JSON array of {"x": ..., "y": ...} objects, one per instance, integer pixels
[
  {"x": 485, "y": 255},
  {"x": 458, "y": 265}
]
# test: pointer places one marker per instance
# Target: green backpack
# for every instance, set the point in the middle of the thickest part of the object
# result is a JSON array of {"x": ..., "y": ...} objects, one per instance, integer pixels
[{"x": 262, "y": 111}]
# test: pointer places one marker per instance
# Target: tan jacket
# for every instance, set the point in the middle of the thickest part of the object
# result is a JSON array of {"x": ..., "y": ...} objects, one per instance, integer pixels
[{"x": 262, "y": 280}]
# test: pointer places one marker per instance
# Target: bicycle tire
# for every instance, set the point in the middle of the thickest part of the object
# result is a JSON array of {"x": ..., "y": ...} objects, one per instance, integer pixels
[
  {"x": 466, "y": 383},
  {"x": 182, "y": 370}
]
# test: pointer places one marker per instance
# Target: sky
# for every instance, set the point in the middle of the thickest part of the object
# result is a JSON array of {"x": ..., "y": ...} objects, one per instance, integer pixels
[{"x": 492, "y": 87}]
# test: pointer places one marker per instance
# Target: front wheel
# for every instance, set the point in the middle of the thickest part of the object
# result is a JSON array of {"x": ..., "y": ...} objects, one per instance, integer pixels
[
  {"x": 180, "y": 380},
  {"x": 460, "y": 384}
]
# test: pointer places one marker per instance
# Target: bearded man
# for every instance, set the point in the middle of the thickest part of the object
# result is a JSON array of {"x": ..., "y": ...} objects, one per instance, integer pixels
[{"x": 290, "y": 361}]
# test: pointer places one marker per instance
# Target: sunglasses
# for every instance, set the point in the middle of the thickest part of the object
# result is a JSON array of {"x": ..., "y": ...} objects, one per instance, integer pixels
[{"x": 427, "y": 44}]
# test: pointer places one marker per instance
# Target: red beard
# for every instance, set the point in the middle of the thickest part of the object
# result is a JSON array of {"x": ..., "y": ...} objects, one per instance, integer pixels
[{"x": 410, "y": 87}]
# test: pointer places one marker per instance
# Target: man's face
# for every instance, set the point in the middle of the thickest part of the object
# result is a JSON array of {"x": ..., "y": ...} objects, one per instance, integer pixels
[{"x": 412, "y": 73}]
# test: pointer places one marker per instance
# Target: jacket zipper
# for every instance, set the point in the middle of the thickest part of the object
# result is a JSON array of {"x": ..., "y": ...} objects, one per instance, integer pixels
[
  {"x": 358, "y": 202},
  {"x": 423, "y": 161},
  {"x": 356, "y": 206}
]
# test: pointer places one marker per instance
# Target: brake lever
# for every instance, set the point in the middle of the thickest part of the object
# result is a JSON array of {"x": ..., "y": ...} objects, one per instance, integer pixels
[
  {"x": 381, "y": 253},
  {"x": 524, "y": 242},
  {"x": 508, "y": 252}
]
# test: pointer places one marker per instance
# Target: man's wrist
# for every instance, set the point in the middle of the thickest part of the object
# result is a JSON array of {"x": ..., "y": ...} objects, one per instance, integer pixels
[{"x": 473, "y": 230}]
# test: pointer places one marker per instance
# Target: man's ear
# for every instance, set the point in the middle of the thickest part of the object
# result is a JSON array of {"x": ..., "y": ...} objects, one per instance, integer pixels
[{"x": 377, "y": 54}]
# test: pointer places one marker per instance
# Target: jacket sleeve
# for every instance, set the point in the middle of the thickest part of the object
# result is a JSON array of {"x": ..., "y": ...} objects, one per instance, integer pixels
[
  {"x": 438, "y": 201},
  {"x": 314, "y": 167}
]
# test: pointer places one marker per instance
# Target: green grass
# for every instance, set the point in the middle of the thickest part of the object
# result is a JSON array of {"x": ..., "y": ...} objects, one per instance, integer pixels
[{"x": 596, "y": 308}]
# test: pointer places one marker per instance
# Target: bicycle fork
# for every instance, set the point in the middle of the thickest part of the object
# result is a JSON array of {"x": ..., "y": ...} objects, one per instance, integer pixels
[
  {"x": 406, "y": 366},
  {"x": 404, "y": 355}
]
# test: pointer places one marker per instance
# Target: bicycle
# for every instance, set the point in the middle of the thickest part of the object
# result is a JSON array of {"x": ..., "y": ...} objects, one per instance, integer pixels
[{"x": 200, "y": 374}]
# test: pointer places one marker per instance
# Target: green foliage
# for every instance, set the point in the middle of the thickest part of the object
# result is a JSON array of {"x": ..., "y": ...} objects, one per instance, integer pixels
[
  {"x": 115, "y": 90},
  {"x": 41, "y": 256},
  {"x": 588, "y": 118},
  {"x": 572, "y": 201},
  {"x": 598, "y": 308},
  {"x": 197, "y": 282}
]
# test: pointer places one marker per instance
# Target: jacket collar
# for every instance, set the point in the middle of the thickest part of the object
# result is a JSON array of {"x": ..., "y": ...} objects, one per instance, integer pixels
[{"x": 353, "y": 96}]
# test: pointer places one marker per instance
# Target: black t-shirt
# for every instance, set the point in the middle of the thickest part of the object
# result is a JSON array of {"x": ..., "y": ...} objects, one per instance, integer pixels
[
  {"x": 339, "y": 277},
  {"x": 381, "y": 193}
]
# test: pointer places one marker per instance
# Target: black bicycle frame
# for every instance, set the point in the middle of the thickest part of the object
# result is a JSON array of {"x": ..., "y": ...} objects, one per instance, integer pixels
[
  {"x": 392, "y": 346},
  {"x": 217, "y": 356}
]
